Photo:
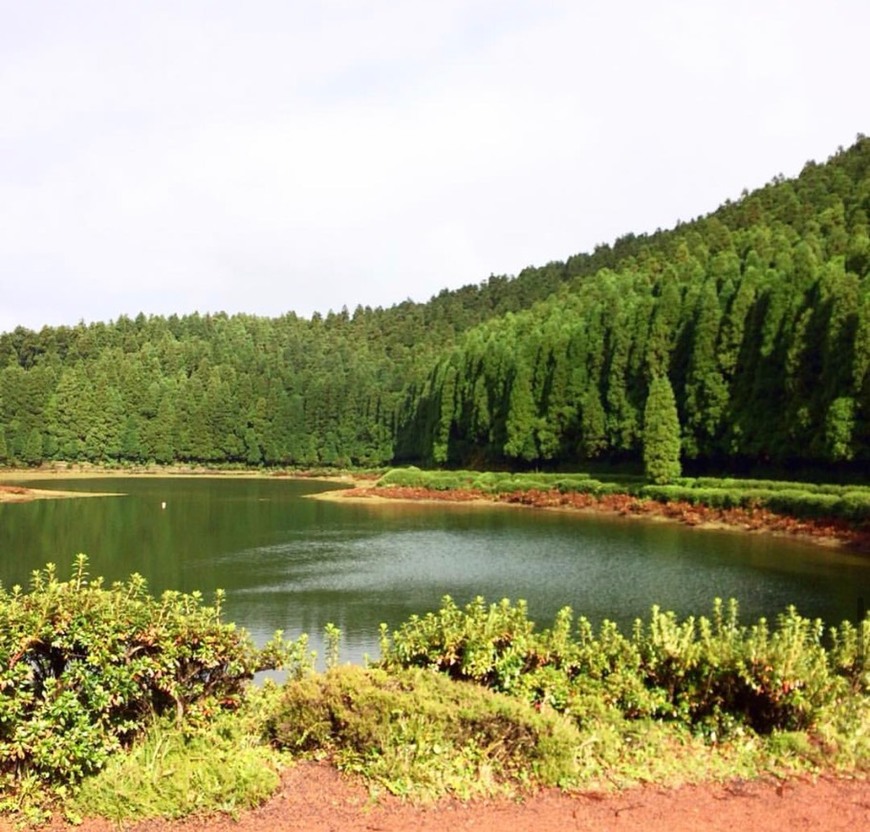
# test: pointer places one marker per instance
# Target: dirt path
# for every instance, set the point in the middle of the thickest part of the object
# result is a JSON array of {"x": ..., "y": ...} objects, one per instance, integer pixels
[{"x": 316, "y": 798}]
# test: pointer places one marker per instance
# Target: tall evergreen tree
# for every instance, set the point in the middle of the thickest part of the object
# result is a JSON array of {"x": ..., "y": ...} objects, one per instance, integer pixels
[{"x": 661, "y": 433}]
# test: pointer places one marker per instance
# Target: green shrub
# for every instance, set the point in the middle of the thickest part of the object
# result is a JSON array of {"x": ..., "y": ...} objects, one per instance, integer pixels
[
  {"x": 447, "y": 481},
  {"x": 411, "y": 477},
  {"x": 855, "y": 506},
  {"x": 421, "y": 734},
  {"x": 804, "y": 504},
  {"x": 485, "y": 482},
  {"x": 571, "y": 483},
  {"x": 723, "y": 674},
  {"x": 84, "y": 669},
  {"x": 793, "y": 499},
  {"x": 488, "y": 645},
  {"x": 710, "y": 674}
]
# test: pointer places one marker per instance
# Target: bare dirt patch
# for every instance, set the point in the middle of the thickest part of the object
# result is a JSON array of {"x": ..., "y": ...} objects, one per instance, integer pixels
[
  {"x": 316, "y": 798},
  {"x": 22, "y": 494}
]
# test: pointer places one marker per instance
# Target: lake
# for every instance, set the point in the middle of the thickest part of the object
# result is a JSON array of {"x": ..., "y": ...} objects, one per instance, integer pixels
[{"x": 293, "y": 563}]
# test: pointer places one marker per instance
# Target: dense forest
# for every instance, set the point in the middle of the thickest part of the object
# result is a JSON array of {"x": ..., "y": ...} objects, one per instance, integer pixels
[{"x": 753, "y": 321}]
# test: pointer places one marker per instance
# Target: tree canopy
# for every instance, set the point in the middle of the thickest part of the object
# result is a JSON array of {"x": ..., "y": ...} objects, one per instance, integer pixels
[{"x": 758, "y": 315}]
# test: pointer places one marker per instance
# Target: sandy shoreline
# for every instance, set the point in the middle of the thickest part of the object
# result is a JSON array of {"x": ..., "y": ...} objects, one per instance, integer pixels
[
  {"x": 27, "y": 495},
  {"x": 14, "y": 488},
  {"x": 15, "y": 475}
]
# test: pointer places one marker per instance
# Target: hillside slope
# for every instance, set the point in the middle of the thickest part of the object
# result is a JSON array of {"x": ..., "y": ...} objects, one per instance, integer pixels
[{"x": 758, "y": 315}]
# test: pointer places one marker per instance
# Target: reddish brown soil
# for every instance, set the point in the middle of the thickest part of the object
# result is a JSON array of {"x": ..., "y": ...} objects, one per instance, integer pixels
[
  {"x": 14, "y": 490},
  {"x": 753, "y": 520},
  {"x": 316, "y": 798}
]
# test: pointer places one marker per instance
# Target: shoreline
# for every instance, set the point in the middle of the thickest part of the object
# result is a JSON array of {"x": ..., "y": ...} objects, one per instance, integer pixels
[
  {"x": 828, "y": 534},
  {"x": 360, "y": 489},
  {"x": 14, "y": 488}
]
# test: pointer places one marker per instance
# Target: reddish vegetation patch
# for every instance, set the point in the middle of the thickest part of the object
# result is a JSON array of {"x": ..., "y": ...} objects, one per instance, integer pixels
[
  {"x": 15, "y": 494},
  {"x": 755, "y": 519},
  {"x": 13, "y": 489},
  {"x": 401, "y": 492}
]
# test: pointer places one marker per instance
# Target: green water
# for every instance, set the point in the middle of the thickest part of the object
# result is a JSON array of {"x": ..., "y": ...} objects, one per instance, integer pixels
[{"x": 294, "y": 564}]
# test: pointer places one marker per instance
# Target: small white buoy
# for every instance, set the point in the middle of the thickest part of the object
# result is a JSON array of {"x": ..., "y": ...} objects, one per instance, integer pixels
[{"x": 163, "y": 504}]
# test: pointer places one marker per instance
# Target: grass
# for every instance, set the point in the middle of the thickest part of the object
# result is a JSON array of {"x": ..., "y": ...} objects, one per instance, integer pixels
[{"x": 175, "y": 771}]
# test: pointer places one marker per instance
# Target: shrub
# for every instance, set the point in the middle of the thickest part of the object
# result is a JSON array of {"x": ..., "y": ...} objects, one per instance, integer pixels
[
  {"x": 421, "y": 734},
  {"x": 855, "y": 506},
  {"x": 488, "y": 645},
  {"x": 84, "y": 668},
  {"x": 573, "y": 482},
  {"x": 485, "y": 481},
  {"x": 712, "y": 675},
  {"x": 721, "y": 673},
  {"x": 411, "y": 477}
]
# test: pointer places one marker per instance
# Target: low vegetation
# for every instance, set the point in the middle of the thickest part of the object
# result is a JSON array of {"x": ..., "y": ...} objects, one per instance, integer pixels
[
  {"x": 713, "y": 676},
  {"x": 86, "y": 670},
  {"x": 846, "y": 503},
  {"x": 216, "y": 765},
  {"x": 120, "y": 704},
  {"x": 419, "y": 734}
]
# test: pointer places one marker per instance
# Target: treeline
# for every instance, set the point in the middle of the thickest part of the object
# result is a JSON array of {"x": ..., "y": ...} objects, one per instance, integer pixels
[
  {"x": 211, "y": 389},
  {"x": 242, "y": 389},
  {"x": 756, "y": 316}
]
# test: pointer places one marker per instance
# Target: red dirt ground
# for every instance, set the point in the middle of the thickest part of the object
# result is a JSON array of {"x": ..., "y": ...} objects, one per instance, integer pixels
[{"x": 316, "y": 798}]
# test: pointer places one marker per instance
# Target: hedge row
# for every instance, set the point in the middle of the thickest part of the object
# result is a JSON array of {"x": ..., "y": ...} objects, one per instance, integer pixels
[{"x": 712, "y": 674}]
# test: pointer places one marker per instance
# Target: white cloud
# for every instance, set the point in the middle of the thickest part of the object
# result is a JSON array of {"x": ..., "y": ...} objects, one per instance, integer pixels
[{"x": 272, "y": 156}]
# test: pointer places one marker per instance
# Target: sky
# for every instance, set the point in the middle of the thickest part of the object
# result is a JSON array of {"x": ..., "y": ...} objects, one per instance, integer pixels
[{"x": 278, "y": 155}]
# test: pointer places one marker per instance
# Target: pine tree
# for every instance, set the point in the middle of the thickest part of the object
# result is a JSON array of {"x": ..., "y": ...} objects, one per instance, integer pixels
[
  {"x": 521, "y": 419},
  {"x": 661, "y": 433},
  {"x": 32, "y": 452},
  {"x": 593, "y": 420},
  {"x": 839, "y": 427}
]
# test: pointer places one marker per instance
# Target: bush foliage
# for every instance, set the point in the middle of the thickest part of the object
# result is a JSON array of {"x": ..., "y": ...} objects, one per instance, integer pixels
[
  {"x": 419, "y": 733},
  {"x": 711, "y": 674},
  {"x": 466, "y": 700},
  {"x": 801, "y": 500},
  {"x": 85, "y": 668}
]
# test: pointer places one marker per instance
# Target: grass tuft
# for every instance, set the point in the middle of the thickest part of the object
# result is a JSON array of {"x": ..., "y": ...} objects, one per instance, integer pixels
[
  {"x": 173, "y": 772},
  {"x": 420, "y": 735}
]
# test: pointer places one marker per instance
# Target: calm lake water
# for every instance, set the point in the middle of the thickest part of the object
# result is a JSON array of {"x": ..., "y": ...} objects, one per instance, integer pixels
[{"x": 292, "y": 563}]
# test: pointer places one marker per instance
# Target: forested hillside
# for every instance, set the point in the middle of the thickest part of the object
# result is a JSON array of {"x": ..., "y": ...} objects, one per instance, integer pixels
[{"x": 758, "y": 317}]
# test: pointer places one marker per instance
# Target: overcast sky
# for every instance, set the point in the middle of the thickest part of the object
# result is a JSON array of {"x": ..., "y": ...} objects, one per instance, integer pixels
[{"x": 283, "y": 155}]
